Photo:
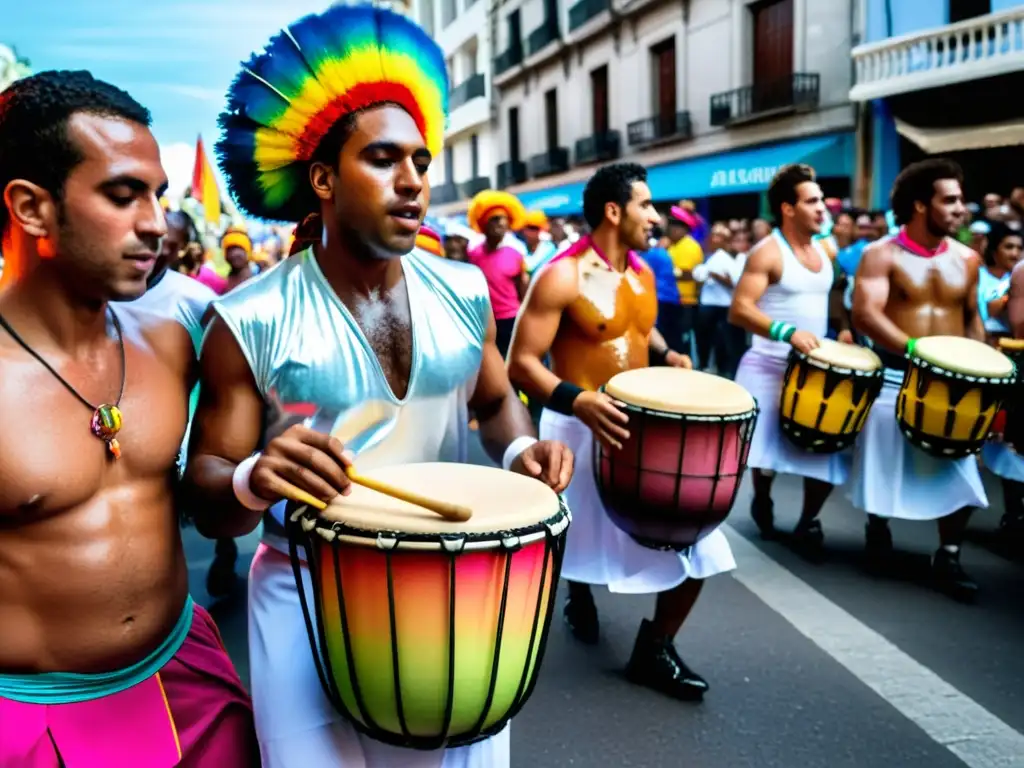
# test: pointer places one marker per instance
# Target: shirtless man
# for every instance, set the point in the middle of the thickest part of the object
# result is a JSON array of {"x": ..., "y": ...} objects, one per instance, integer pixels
[
  {"x": 599, "y": 284},
  {"x": 783, "y": 299},
  {"x": 104, "y": 659},
  {"x": 406, "y": 350},
  {"x": 920, "y": 282},
  {"x": 1005, "y": 462}
]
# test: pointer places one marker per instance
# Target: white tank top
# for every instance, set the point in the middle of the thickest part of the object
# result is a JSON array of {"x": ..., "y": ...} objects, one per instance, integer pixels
[{"x": 800, "y": 297}]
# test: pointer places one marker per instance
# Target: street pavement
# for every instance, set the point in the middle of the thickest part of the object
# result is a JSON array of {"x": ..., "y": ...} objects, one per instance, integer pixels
[{"x": 809, "y": 665}]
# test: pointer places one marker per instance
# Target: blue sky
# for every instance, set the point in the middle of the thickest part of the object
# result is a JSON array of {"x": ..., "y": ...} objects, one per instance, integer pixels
[{"x": 177, "y": 57}]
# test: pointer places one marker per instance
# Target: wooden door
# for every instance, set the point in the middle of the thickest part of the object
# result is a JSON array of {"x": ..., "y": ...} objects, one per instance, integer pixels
[
  {"x": 665, "y": 74},
  {"x": 513, "y": 134},
  {"x": 599, "y": 99},
  {"x": 551, "y": 118},
  {"x": 773, "y": 55}
]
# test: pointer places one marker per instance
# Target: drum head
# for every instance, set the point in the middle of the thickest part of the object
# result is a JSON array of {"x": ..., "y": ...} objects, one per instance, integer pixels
[
  {"x": 676, "y": 390},
  {"x": 842, "y": 355},
  {"x": 1014, "y": 346},
  {"x": 501, "y": 501},
  {"x": 966, "y": 356}
]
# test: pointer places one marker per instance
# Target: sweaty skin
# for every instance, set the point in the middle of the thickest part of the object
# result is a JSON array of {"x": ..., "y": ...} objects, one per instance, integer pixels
[
  {"x": 92, "y": 572},
  {"x": 900, "y": 295},
  {"x": 605, "y": 329}
]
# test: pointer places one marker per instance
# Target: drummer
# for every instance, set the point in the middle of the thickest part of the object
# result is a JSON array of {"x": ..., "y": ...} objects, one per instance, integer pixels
[
  {"x": 919, "y": 282},
  {"x": 783, "y": 299},
  {"x": 358, "y": 339},
  {"x": 559, "y": 317},
  {"x": 1001, "y": 459}
]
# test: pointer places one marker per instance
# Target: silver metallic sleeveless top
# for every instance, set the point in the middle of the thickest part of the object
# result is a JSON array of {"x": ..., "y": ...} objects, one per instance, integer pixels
[{"x": 313, "y": 364}]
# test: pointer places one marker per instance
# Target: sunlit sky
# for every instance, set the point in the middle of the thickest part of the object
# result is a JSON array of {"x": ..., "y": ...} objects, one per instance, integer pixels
[{"x": 177, "y": 57}]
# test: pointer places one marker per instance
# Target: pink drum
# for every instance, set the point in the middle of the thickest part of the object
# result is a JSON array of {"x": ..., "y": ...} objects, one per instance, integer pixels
[{"x": 675, "y": 479}]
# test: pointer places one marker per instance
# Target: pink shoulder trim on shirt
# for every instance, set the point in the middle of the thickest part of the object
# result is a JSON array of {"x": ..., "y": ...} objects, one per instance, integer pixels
[{"x": 585, "y": 244}]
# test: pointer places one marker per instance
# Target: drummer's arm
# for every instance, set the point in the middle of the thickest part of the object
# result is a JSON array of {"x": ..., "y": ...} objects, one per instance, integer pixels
[
  {"x": 870, "y": 296},
  {"x": 502, "y": 416},
  {"x": 973, "y": 324},
  {"x": 761, "y": 264},
  {"x": 1015, "y": 306},
  {"x": 225, "y": 431},
  {"x": 554, "y": 289}
]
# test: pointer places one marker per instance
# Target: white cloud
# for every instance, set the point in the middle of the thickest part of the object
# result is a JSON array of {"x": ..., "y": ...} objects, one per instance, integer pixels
[{"x": 178, "y": 159}]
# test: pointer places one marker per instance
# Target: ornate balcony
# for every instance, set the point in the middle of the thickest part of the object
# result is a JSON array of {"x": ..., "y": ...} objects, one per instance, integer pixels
[
  {"x": 584, "y": 11},
  {"x": 659, "y": 128},
  {"x": 799, "y": 91},
  {"x": 474, "y": 186},
  {"x": 548, "y": 163},
  {"x": 511, "y": 172},
  {"x": 598, "y": 148},
  {"x": 468, "y": 89},
  {"x": 982, "y": 47},
  {"x": 511, "y": 57}
]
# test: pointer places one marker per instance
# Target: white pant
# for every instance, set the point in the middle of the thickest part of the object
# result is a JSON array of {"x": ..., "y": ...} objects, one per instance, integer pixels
[{"x": 296, "y": 724}]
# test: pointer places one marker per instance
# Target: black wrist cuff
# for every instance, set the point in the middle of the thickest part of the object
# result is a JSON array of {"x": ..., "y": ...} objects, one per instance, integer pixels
[
  {"x": 658, "y": 356},
  {"x": 563, "y": 397}
]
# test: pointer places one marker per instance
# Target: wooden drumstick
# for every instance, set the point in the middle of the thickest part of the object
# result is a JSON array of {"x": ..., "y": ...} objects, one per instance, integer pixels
[
  {"x": 454, "y": 512},
  {"x": 300, "y": 496}
]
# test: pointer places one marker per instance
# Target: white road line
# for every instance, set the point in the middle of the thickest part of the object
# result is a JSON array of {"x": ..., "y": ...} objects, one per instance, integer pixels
[{"x": 949, "y": 717}]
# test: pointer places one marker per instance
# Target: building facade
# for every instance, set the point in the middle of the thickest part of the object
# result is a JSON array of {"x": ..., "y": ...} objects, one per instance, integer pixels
[
  {"x": 710, "y": 95},
  {"x": 941, "y": 77},
  {"x": 463, "y": 30}
]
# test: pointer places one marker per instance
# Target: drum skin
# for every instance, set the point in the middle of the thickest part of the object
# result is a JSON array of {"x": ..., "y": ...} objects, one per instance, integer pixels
[
  {"x": 823, "y": 407},
  {"x": 675, "y": 478},
  {"x": 431, "y": 648}
]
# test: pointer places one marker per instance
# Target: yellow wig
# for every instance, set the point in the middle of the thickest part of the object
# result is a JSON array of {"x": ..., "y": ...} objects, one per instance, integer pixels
[
  {"x": 236, "y": 237},
  {"x": 536, "y": 219},
  {"x": 491, "y": 202}
]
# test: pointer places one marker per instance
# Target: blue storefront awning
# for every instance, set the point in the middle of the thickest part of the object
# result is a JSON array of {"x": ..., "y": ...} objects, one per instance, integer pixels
[{"x": 728, "y": 173}]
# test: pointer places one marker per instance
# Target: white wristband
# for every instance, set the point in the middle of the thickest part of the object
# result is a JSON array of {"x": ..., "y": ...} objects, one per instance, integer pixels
[
  {"x": 515, "y": 448},
  {"x": 240, "y": 485}
]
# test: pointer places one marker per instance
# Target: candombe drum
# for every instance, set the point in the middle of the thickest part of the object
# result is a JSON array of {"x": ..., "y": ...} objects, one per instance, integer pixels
[
  {"x": 429, "y": 633},
  {"x": 1012, "y": 415},
  {"x": 675, "y": 479},
  {"x": 826, "y": 395},
  {"x": 952, "y": 390}
]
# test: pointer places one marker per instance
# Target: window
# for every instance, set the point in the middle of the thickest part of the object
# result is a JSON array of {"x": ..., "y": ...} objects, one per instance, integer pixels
[
  {"x": 599, "y": 99},
  {"x": 551, "y": 118},
  {"x": 962, "y": 10},
  {"x": 663, "y": 57},
  {"x": 427, "y": 16},
  {"x": 449, "y": 166},
  {"x": 513, "y": 134},
  {"x": 449, "y": 10},
  {"x": 474, "y": 148},
  {"x": 773, "y": 54},
  {"x": 515, "y": 30}
]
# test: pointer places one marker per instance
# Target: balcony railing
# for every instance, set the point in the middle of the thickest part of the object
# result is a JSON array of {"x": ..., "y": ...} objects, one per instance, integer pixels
[
  {"x": 799, "y": 91},
  {"x": 542, "y": 36},
  {"x": 468, "y": 89},
  {"x": 547, "y": 163},
  {"x": 985, "y": 46},
  {"x": 511, "y": 172},
  {"x": 511, "y": 57},
  {"x": 474, "y": 186},
  {"x": 668, "y": 127},
  {"x": 444, "y": 193},
  {"x": 598, "y": 148},
  {"x": 585, "y": 10}
]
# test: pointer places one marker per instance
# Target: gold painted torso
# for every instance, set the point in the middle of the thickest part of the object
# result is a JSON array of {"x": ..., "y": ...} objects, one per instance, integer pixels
[{"x": 605, "y": 331}]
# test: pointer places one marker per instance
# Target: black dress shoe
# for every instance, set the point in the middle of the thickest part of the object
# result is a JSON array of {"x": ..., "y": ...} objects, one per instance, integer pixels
[
  {"x": 950, "y": 578},
  {"x": 763, "y": 514},
  {"x": 809, "y": 541},
  {"x": 878, "y": 545},
  {"x": 580, "y": 615},
  {"x": 656, "y": 664}
]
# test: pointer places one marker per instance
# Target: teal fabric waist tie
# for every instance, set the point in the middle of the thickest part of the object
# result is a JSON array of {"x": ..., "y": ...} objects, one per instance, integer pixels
[{"x": 74, "y": 687}]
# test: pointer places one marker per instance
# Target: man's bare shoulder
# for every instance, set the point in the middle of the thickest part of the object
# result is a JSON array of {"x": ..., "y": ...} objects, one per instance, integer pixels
[
  {"x": 879, "y": 253},
  {"x": 557, "y": 284},
  {"x": 764, "y": 255},
  {"x": 167, "y": 338}
]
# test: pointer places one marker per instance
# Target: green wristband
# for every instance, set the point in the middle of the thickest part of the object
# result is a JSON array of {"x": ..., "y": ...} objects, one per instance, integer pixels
[
  {"x": 773, "y": 330},
  {"x": 788, "y": 332},
  {"x": 911, "y": 344}
]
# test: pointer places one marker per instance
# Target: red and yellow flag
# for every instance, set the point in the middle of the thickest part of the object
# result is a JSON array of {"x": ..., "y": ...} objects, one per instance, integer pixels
[{"x": 204, "y": 185}]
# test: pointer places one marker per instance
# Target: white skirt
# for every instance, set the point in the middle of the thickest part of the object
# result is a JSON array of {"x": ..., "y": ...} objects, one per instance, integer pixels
[
  {"x": 598, "y": 552},
  {"x": 892, "y": 478},
  {"x": 296, "y": 725},
  {"x": 1002, "y": 461},
  {"x": 770, "y": 449}
]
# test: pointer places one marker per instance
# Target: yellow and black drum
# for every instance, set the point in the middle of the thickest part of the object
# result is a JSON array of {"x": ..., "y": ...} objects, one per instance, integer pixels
[
  {"x": 1010, "y": 421},
  {"x": 826, "y": 395},
  {"x": 951, "y": 393}
]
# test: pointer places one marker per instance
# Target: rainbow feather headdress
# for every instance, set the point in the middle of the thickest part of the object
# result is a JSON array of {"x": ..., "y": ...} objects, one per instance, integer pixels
[{"x": 312, "y": 74}]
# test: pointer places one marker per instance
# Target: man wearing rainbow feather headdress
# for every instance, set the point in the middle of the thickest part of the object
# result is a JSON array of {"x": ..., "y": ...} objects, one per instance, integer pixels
[{"x": 342, "y": 115}]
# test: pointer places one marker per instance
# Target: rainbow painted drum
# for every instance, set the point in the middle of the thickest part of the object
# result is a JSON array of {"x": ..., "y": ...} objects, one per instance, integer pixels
[
  {"x": 951, "y": 392},
  {"x": 675, "y": 479},
  {"x": 827, "y": 394},
  {"x": 428, "y": 633}
]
